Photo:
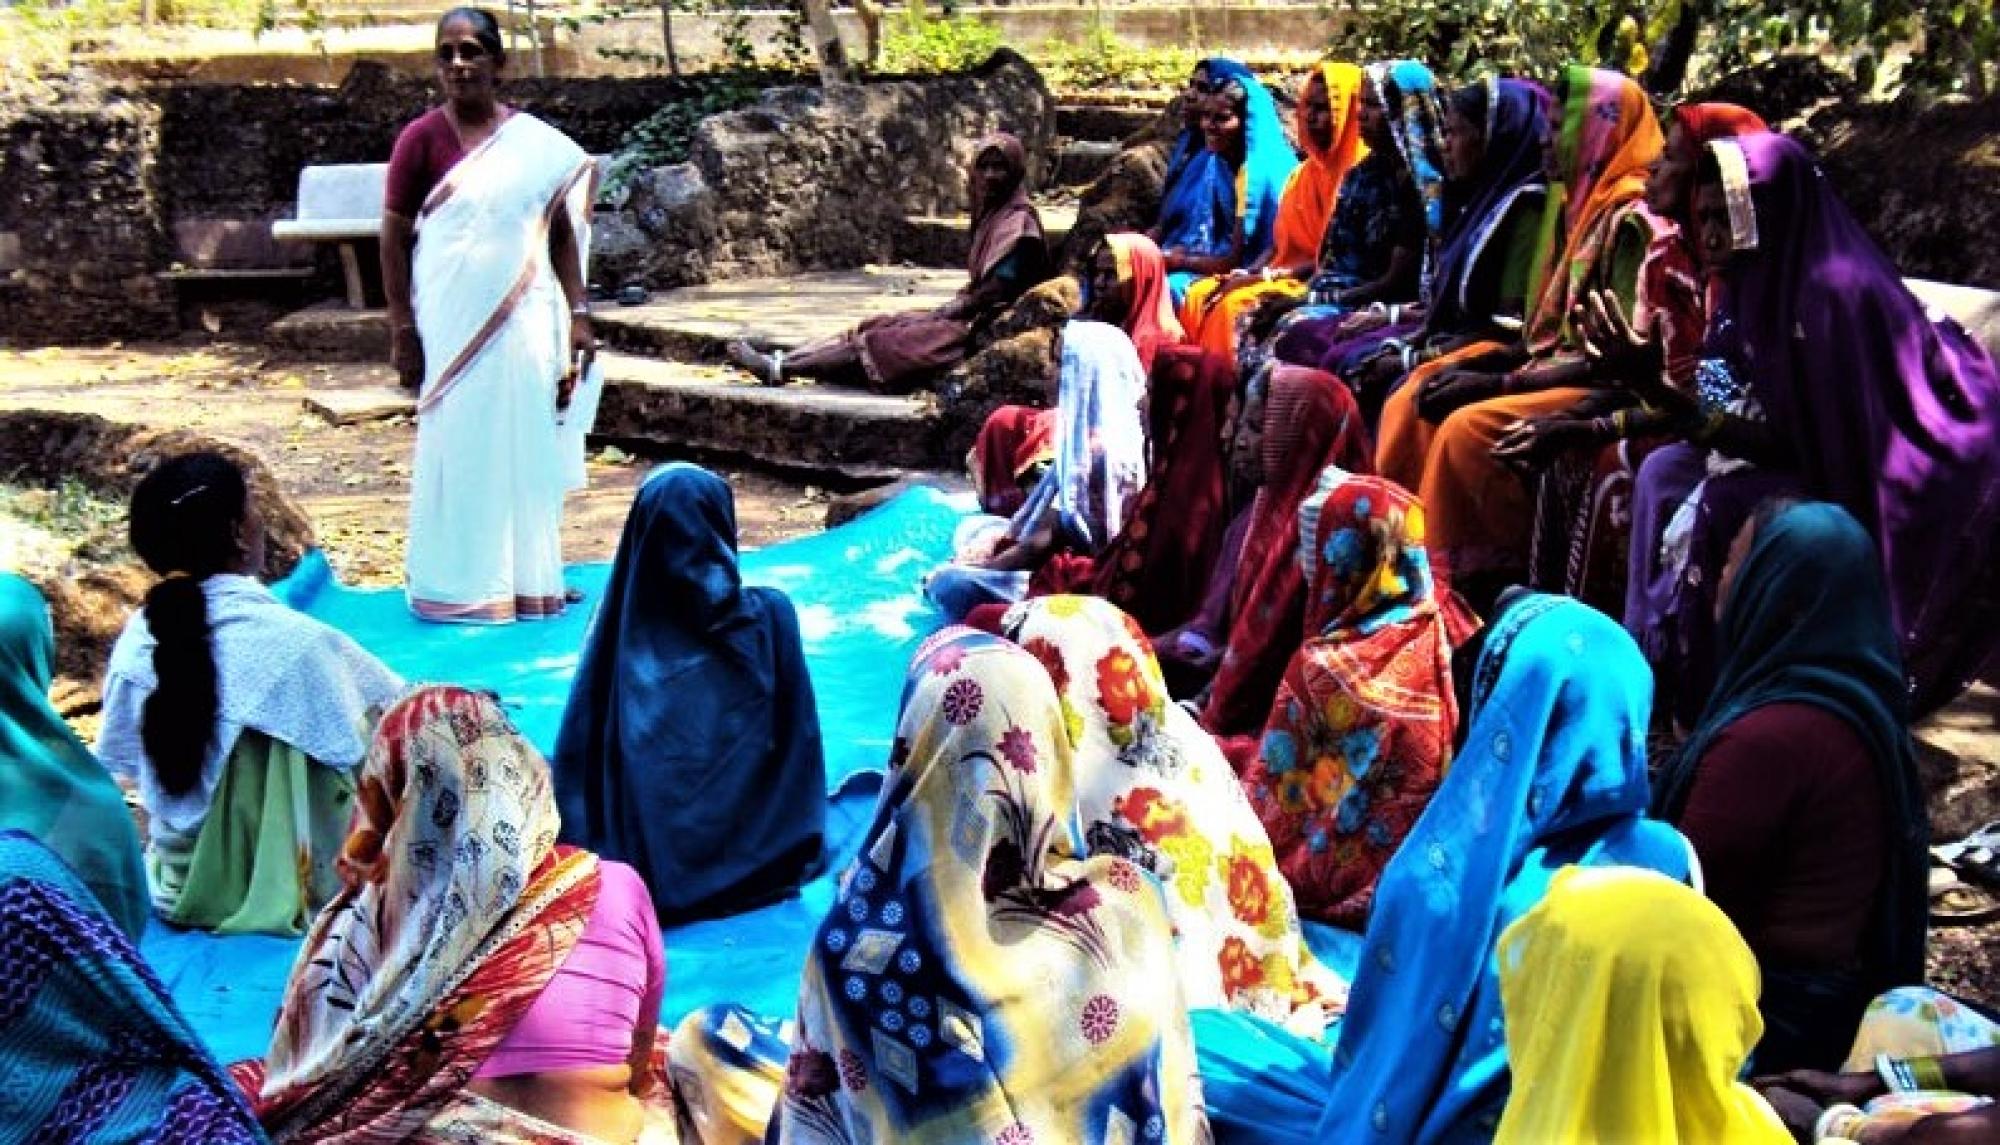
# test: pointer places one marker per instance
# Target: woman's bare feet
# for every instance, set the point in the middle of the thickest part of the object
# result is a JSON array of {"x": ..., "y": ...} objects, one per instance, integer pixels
[{"x": 766, "y": 368}]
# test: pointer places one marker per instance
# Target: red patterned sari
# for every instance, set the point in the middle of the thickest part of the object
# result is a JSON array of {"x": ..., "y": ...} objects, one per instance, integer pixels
[{"x": 1361, "y": 731}]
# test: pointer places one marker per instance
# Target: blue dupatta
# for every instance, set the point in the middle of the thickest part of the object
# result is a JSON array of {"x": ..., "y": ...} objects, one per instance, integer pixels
[
  {"x": 1553, "y": 773},
  {"x": 1204, "y": 202}
]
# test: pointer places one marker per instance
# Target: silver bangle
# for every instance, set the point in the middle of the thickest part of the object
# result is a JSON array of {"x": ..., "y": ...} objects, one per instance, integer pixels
[{"x": 579, "y": 311}]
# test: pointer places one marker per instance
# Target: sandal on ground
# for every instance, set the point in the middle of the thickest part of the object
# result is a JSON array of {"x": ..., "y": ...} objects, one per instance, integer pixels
[
  {"x": 1954, "y": 902},
  {"x": 572, "y": 595},
  {"x": 1977, "y": 855}
]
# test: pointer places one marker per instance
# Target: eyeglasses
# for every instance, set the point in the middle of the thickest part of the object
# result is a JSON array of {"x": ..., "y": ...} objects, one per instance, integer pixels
[{"x": 464, "y": 52}]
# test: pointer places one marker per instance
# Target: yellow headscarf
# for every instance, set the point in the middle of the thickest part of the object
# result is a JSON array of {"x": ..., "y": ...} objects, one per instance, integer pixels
[{"x": 1631, "y": 1007}]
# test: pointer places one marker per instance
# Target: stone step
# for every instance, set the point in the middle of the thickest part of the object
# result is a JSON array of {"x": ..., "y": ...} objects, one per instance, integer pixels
[
  {"x": 1108, "y": 124},
  {"x": 810, "y": 430},
  {"x": 695, "y": 323},
  {"x": 946, "y": 240},
  {"x": 1081, "y": 161}
]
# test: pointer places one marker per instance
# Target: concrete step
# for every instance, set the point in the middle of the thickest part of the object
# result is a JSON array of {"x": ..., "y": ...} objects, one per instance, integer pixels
[
  {"x": 1108, "y": 124},
  {"x": 946, "y": 240},
  {"x": 695, "y": 323},
  {"x": 808, "y": 430}
]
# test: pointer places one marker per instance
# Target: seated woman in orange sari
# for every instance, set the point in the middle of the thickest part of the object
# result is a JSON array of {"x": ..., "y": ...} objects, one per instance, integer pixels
[
  {"x": 1328, "y": 126},
  {"x": 1439, "y": 429},
  {"x": 474, "y": 980}
]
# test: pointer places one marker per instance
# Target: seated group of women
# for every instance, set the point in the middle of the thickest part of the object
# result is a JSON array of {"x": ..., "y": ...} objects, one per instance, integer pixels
[{"x": 1079, "y": 911}]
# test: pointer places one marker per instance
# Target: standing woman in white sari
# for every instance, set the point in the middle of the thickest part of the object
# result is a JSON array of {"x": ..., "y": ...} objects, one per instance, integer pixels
[{"x": 484, "y": 232}]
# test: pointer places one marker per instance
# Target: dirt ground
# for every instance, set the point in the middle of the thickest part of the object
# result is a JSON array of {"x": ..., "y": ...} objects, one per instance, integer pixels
[{"x": 353, "y": 481}]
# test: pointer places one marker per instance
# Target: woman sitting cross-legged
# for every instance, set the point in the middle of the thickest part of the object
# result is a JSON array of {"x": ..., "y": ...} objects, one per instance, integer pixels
[
  {"x": 898, "y": 353},
  {"x": 1799, "y": 786},
  {"x": 51, "y": 787},
  {"x": 981, "y": 976},
  {"x": 691, "y": 745},
  {"x": 473, "y": 980},
  {"x": 95, "y": 1049},
  {"x": 239, "y": 718},
  {"x": 1152, "y": 787},
  {"x": 1083, "y": 500}
]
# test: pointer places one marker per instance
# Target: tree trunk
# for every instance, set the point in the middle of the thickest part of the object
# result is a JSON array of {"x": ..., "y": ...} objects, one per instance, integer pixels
[
  {"x": 833, "y": 66},
  {"x": 667, "y": 34},
  {"x": 1667, "y": 70}
]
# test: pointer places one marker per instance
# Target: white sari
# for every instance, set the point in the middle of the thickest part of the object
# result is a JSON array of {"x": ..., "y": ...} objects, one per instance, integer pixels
[{"x": 494, "y": 455}]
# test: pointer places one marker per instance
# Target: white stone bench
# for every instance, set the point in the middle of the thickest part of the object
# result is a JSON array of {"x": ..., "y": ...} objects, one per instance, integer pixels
[{"x": 339, "y": 203}]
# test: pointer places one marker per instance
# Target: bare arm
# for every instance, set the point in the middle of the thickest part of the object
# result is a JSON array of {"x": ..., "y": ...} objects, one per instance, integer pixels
[
  {"x": 1404, "y": 264},
  {"x": 406, "y": 350},
  {"x": 567, "y": 259}
]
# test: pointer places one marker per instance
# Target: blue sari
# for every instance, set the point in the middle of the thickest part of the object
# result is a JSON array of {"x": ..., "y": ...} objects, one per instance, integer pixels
[
  {"x": 1553, "y": 773},
  {"x": 690, "y": 748},
  {"x": 1200, "y": 207},
  {"x": 95, "y": 1050}
]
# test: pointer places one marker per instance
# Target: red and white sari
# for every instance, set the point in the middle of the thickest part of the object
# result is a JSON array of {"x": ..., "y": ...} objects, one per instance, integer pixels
[{"x": 494, "y": 454}]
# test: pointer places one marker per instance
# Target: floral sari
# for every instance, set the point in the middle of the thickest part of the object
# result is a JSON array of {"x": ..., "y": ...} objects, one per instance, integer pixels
[
  {"x": 979, "y": 978},
  {"x": 494, "y": 453},
  {"x": 1152, "y": 787},
  {"x": 1361, "y": 732},
  {"x": 459, "y": 909}
]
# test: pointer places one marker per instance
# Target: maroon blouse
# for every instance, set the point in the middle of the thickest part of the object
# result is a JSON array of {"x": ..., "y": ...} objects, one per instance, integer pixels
[
  {"x": 425, "y": 150},
  {"x": 1786, "y": 814}
]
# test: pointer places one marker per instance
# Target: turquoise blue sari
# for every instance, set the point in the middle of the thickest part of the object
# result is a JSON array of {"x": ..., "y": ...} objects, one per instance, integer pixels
[
  {"x": 94, "y": 1050},
  {"x": 1553, "y": 773},
  {"x": 1199, "y": 209}
]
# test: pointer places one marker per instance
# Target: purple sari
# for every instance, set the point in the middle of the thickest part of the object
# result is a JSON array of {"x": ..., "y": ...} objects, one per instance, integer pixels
[{"x": 1889, "y": 410}]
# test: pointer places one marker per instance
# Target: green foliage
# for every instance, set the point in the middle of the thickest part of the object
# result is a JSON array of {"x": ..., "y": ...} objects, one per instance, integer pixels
[
  {"x": 666, "y": 136},
  {"x": 1103, "y": 61},
  {"x": 915, "y": 44},
  {"x": 1960, "y": 39}
]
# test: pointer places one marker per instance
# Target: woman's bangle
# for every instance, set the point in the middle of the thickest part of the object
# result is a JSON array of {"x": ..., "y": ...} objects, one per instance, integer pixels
[
  {"x": 579, "y": 311},
  {"x": 1395, "y": 313},
  {"x": 1620, "y": 424},
  {"x": 1267, "y": 275}
]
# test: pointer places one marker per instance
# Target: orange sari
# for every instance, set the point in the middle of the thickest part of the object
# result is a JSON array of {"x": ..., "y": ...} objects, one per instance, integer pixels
[
  {"x": 1208, "y": 313},
  {"x": 1481, "y": 514}
]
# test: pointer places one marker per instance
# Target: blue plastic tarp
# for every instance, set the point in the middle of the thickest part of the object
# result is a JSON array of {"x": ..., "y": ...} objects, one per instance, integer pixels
[{"x": 861, "y": 617}]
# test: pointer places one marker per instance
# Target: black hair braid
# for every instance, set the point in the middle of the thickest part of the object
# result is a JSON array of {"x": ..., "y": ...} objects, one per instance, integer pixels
[{"x": 186, "y": 515}]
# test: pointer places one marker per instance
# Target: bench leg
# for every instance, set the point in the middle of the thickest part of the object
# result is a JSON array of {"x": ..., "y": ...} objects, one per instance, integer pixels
[{"x": 350, "y": 264}]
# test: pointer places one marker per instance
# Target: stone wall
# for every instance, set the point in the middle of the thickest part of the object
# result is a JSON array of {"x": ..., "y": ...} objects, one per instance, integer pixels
[
  {"x": 810, "y": 178},
  {"x": 79, "y": 198},
  {"x": 96, "y": 180}
]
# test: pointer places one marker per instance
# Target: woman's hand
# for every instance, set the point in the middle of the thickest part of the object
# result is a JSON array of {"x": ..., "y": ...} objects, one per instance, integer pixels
[
  {"x": 1826, "y": 1088},
  {"x": 1799, "y": 1113},
  {"x": 582, "y": 352},
  {"x": 1535, "y": 442},
  {"x": 1619, "y": 353},
  {"x": 1455, "y": 389},
  {"x": 406, "y": 355},
  {"x": 1361, "y": 322}
]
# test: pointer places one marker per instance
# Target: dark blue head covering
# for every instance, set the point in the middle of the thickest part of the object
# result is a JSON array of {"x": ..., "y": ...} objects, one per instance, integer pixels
[
  {"x": 1807, "y": 622},
  {"x": 1476, "y": 206},
  {"x": 691, "y": 746}
]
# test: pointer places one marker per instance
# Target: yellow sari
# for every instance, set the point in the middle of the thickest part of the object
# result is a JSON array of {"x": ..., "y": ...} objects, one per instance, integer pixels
[{"x": 1631, "y": 1007}]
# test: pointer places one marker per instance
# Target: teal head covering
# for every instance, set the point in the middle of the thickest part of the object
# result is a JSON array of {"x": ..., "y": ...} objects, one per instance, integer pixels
[
  {"x": 1807, "y": 621},
  {"x": 51, "y": 787}
]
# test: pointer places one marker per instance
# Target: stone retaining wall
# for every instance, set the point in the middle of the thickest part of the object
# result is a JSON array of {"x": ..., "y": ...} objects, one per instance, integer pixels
[{"x": 96, "y": 179}]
